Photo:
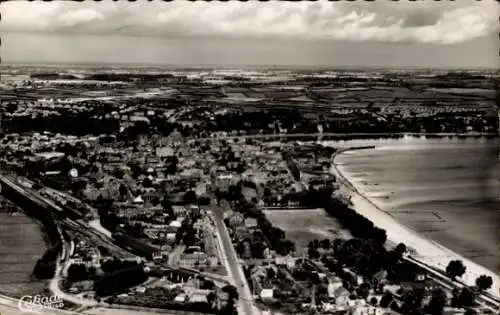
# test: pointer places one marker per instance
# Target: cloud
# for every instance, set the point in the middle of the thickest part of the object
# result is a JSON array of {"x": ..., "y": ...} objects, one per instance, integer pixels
[
  {"x": 80, "y": 16},
  {"x": 420, "y": 22}
]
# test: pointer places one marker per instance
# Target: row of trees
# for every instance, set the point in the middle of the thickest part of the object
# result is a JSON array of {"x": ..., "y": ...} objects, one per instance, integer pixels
[
  {"x": 120, "y": 281},
  {"x": 456, "y": 268},
  {"x": 80, "y": 272},
  {"x": 66, "y": 123},
  {"x": 358, "y": 225},
  {"x": 275, "y": 236}
]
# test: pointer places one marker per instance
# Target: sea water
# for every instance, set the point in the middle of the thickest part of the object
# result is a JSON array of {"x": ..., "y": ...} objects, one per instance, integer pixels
[{"x": 447, "y": 189}]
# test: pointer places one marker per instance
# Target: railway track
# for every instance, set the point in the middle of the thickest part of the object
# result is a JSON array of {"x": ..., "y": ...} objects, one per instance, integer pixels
[{"x": 438, "y": 276}]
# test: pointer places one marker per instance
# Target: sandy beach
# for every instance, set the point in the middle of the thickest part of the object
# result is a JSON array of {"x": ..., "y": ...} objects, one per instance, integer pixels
[{"x": 422, "y": 248}]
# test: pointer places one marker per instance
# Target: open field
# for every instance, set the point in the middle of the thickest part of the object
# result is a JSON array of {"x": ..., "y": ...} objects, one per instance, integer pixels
[
  {"x": 303, "y": 226},
  {"x": 21, "y": 245}
]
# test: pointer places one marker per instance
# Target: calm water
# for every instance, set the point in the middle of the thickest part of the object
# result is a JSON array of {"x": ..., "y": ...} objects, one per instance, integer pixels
[{"x": 447, "y": 189}]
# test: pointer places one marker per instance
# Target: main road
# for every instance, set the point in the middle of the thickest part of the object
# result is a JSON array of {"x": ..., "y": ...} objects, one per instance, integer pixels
[{"x": 246, "y": 304}]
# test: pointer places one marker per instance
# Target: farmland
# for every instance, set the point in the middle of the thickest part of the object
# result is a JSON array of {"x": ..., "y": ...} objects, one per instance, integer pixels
[{"x": 21, "y": 245}]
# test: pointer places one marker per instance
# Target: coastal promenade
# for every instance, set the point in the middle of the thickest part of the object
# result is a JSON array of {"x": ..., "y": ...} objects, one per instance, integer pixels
[{"x": 427, "y": 252}]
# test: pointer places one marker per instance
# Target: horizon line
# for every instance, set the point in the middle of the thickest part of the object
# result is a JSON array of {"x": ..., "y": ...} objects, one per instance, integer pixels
[{"x": 237, "y": 66}]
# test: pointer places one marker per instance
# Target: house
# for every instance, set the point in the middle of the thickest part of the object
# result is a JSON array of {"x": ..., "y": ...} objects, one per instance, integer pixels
[
  {"x": 138, "y": 200},
  {"x": 250, "y": 223},
  {"x": 341, "y": 295},
  {"x": 332, "y": 287},
  {"x": 236, "y": 219},
  {"x": 164, "y": 152},
  {"x": 222, "y": 298},
  {"x": 140, "y": 289},
  {"x": 358, "y": 280},
  {"x": 193, "y": 260},
  {"x": 170, "y": 236},
  {"x": 356, "y": 303},
  {"x": 159, "y": 255},
  {"x": 180, "y": 298},
  {"x": 259, "y": 272},
  {"x": 175, "y": 223},
  {"x": 420, "y": 276},
  {"x": 328, "y": 307},
  {"x": 287, "y": 261},
  {"x": 379, "y": 279},
  {"x": 196, "y": 297},
  {"x": 266, "y": 294},
  {"x": 178, "y": 210}
]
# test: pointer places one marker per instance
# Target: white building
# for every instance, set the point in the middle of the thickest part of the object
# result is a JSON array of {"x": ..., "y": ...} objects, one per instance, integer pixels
[{"x": 267, "y": 294}]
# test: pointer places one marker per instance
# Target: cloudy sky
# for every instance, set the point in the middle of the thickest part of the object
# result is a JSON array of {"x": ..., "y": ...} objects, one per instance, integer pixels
[{"x": 462, "y": 33}]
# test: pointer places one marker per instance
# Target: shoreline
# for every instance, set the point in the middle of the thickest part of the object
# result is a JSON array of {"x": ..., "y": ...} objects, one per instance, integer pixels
[{"x": 436, "y": 255}]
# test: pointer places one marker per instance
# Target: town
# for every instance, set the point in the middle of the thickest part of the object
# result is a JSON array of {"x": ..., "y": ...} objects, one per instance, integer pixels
[{"x": 172, "y": 190}]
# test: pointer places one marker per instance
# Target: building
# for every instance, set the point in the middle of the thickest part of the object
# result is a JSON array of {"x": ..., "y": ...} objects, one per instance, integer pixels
[
  {"x": 175, "y": 224},
  {"x": 159, "y": 256},
  {"x": 287, "y": 261},
  {"x": 179, "y": 210},
  {"x": 236, "y": 219},
  {"x": 341, "y": 295},
  {"x": 250, "y": 223},
  {"x": 194, "y": 260},
  {"x": 164, "y": 152},
  {"x": 379, "y": 279},
  {"x": 266, "y": 294}
]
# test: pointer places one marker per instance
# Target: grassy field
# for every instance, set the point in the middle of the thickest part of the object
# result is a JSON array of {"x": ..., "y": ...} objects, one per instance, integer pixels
[
  {"x": 303, "y": 226},
  {"x": 21, "y": 245}
]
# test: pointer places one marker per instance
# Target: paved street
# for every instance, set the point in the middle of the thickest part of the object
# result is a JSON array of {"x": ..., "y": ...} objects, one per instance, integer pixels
[{"x": 246, "y": 305}]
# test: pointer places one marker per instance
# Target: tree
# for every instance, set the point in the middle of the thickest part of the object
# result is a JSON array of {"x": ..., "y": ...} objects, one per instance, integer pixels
[
  {"x": 204, "y": 201},
  {"x": 484, "y": 282},
  {"x": 470, "y": 312},
  {"x": 207, "y": 284},
  {"x": 325, "y": 243},
  {"x": 123, "y": 190},
  {"x": 167, "y": 206},
  {"x": 364, "y": 290},
  {"x": 386, "y": 299},
  {"x": 190, "y": 197},
  {"x": 337, "y": 244},
  {"x": 211, "y": 298},
  {"x": 120, "y": 281},
  {"x": 455, "y": 269},
  {"x": 466, "y": 298},
  {"x": 44, "y": 269},
  {"x": 147, "y": 182},
  {"x": 401, "y": 248},
  {"x": 77, "y": 272},
  {"x": 271, "y": 274},
  {"x": 313, "y": 253},
  {"x": 437, "y": 302},
  {"x": 412, "y": 301},
  {"x": 231, "y": 291}
]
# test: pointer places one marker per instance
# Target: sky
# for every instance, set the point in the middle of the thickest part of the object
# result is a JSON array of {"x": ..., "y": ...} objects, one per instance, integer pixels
[{"x": 457, "y": 34}]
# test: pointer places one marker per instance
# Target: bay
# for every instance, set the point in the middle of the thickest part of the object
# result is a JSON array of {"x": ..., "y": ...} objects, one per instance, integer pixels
[{"x": 446, "y": 189}]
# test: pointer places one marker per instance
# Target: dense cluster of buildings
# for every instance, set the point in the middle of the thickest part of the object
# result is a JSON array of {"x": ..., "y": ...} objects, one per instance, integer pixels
[{"x": 144, "y": 158}]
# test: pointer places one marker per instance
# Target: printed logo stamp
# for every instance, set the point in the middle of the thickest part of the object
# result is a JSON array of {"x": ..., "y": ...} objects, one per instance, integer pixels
[{"x": 38, "y": 303}]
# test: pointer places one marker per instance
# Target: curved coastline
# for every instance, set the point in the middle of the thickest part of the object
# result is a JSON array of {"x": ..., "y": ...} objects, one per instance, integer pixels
[{"x": 423, "y": 248}]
